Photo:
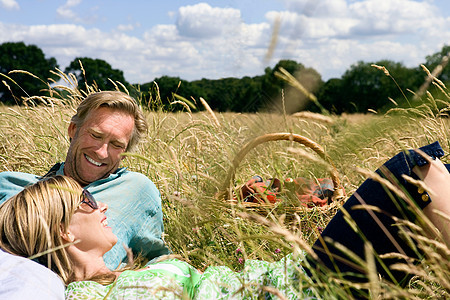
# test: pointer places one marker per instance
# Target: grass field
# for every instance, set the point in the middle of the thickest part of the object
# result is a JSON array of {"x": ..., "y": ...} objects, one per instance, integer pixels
[{"x": 188, "y": 156}]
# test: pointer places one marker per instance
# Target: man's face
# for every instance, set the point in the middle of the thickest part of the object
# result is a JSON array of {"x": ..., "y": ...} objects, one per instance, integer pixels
[{"x": 95, "y": 149}]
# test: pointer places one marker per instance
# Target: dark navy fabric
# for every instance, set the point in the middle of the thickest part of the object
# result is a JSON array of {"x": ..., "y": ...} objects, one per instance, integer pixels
[{"x": 374, "y": 194}]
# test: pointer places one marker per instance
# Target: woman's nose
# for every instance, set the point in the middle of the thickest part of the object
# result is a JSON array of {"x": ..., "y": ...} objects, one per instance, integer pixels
[{"x": 102, "y": 206}]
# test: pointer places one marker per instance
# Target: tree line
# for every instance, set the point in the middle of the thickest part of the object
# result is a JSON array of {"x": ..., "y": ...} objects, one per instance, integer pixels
[{"x": 365, "y": 85}]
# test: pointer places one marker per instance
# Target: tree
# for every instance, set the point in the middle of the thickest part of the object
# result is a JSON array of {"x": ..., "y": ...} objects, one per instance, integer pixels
[
  {"x": 221, "y": 94},
  {"x": 160, "y": 92},
  {"x": 273, "y": 85},
  {"x": 293, "y": 100},
  {"x": 30, "y": 58},
  {"x": 97, "y": 72},
  {"x": 247, "y": 94},
  {"x": 432, "y": 61},
  {"x": 332, "y": 96},
  {"x": 365, "y": 87},
  {"x": 249, "y": 97}
]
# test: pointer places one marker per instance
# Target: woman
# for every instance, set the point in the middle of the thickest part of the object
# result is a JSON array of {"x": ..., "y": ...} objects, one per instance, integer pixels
[
  {"x": 75, "y": 224},
  {"x": 56, "y": 213}
]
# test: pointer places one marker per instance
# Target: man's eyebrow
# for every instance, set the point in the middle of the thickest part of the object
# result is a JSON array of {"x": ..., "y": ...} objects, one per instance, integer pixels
[
  {"x": 94, "y": 130},
  {"x": 121, "y": 142}
]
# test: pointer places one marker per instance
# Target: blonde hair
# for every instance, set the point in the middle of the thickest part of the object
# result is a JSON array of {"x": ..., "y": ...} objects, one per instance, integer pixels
[
  {"x": 113, "y": 100},
  {"x": 31, "y": 222}
]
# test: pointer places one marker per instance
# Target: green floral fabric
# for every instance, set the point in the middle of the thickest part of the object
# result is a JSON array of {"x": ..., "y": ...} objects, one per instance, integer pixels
[{"x": 175, "y": 279}]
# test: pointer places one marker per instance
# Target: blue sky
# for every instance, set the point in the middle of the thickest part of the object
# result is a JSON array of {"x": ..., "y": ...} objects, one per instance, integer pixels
[{"x": 215, "y": 39}]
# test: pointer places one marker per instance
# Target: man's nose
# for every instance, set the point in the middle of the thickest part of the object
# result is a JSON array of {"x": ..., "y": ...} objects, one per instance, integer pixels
[{"x": 102, "y": 151}]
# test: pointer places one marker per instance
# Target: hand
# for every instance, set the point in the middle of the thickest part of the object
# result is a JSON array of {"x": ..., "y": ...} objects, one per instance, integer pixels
[{"x": 437, "y": 179}]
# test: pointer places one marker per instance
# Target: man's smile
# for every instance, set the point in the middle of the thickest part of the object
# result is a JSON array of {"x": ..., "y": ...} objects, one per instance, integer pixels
[{"x": 98, "y": 164}]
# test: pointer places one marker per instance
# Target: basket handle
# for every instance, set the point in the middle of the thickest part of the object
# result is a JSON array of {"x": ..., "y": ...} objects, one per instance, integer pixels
[{"x": 226, "y": 190}]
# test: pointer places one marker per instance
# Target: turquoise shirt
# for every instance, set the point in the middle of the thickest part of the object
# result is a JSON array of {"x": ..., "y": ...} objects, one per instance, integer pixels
[{"x": 134, "y": 210}]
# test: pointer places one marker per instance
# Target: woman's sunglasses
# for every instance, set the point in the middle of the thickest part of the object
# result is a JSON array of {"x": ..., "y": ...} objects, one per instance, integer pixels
[{"x": 87, "y": 198}]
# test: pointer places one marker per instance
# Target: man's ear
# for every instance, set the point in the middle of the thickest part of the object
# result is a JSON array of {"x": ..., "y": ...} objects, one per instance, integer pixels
[{"x": 72, "y": 130}]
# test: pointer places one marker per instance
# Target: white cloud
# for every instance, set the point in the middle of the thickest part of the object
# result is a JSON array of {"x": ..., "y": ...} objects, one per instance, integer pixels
[
  {"x": 203, "y": 21},
  {"x": 331, "y": 35},
  {"x": 125, "y": 27},
  {"x": 212, "y": 42},
  {"x": 318, "y": 8},
  {"x": 337, "y": 55},
  {"x": 392, "y": 17},
  {"x": 65, "y": 11},
  {"x": 66, "y": 42},
  {"x": 337, "y": 18},
  {"x": 10, "y": 4},
  {"x": 305, "y": 27},
  {"x": 206, "y": 42}
]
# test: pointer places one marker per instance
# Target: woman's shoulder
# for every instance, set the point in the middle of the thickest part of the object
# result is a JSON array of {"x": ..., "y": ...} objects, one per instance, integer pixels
[
  {"x": 163, "y": 279},
  {"x": 86, "y": 290}
]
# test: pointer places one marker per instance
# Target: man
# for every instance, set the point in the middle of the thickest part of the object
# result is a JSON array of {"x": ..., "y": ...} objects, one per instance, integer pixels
[{"x": 106, "y": 125}]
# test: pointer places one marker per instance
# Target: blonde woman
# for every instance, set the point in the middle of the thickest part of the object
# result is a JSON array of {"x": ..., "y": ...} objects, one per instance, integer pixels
[{"x": 64, "y": 223}]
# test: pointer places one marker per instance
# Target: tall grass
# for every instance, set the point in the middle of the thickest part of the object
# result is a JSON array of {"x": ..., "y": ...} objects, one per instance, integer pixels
[{"x": 188, "y": 154}]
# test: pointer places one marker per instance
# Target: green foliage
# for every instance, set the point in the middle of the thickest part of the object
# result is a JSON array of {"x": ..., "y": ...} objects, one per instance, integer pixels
[
  {"x": 272, "y": 86},
  {"x": 221, "y": 94},
  {"x": 227, "y": 94},
  {"x": 365, "y": 87},
  {"x": 162, "y": 92},
  {"x": 332, "y": 96},
  {"x": 231, "y": 94},
  {"x": 97, "y": 72},
  {"x": 248, "y": 94},
  {"x": 432, "y": 61},
  {"x": 28, "y": 58}
]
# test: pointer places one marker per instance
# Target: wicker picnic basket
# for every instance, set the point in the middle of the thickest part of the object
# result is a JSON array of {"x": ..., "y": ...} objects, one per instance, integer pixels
[{"x": 227, "y": 191}]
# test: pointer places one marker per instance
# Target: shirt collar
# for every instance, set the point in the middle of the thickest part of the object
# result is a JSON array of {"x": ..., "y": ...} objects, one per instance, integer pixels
[{"x": 114, "y": 175}]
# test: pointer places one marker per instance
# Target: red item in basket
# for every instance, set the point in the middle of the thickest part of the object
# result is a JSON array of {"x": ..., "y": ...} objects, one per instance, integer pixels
[
  {"x": 310, "y": 192},
  {"x": 259, "y": 191}
]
